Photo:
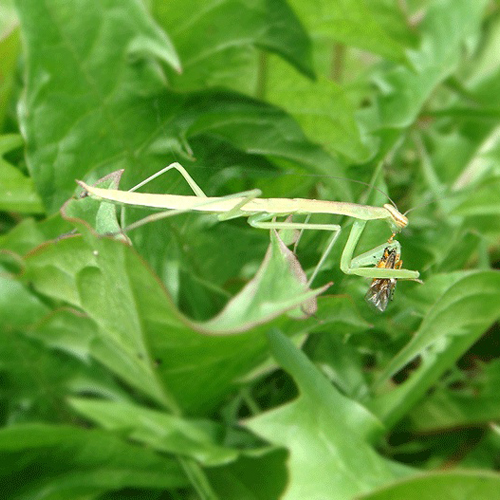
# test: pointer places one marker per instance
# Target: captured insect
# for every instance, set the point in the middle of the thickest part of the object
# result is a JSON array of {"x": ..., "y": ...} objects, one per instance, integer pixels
[
  {"x": 381, "y": 290},
  {"x": 261, "y": 213}
]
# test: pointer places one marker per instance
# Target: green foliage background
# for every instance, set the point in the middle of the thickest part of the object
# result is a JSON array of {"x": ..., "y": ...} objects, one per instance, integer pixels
[{"x": 170, "y": 369}]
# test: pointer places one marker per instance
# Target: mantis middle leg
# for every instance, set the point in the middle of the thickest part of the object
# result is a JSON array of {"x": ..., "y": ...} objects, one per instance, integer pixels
[{"x": 262, "y": 222}]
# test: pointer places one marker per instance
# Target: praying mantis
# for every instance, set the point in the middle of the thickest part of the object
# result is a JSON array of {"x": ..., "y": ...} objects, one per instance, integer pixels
[{"x": 262, "y": 212}]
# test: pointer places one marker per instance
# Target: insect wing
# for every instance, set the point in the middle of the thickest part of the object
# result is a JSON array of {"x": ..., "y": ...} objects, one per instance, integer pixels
[
  {"x": 381, "y": 290},
  {"x": 380, "y": 293}
]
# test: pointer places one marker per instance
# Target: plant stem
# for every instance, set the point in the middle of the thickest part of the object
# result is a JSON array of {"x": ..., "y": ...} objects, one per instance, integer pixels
[
  {"x": 260, "y": 88},
  {"x": 198, "y": 479}
]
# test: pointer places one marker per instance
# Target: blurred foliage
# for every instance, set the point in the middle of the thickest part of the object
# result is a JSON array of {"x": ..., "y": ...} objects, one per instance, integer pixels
[{"x": 176, "y": 367}]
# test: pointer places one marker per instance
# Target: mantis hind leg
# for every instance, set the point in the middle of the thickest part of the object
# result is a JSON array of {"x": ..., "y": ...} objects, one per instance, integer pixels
[
  {"x": 204, "y": 201},
  {"x": 236, "y": 210},
  {"x": 173, "y": 166},
  {"x": 176, "y": 166},
  {"x": 262, "y": 221},
  {"x": 231, "y": 214}
]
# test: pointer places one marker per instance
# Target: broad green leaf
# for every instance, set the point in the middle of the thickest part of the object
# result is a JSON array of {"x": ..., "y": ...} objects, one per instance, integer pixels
[
  {"x": 142, "y": 123},
  {"x": 160, "y": 431},
  {"x": 260, "y": 129},
  {"x": 232, "y": 30},
  {"x": 10, "y": 47},
  {"x": 96, "y": 280},
  {"x": 338, "y": 311},
  {"x": 483, "y": 200},
  {"x": 327, "y": 435},
  {"x": 239, "y": 479},
  {"x": 56, "y": 462},
  {"x": 18, "y": 306},
  {"x": 29, "y": 234},
  {"x": 450, "y": 327},
  {"x": 68, "y": 331},
  {"x": 101, "y": 216},
  {"x": 466, "y": 308},
  {"x": 434, "y": 288},
  {"x": 350, "y": 22},
  {"x": 460, "y": 485},
  {"x": 340, "y": 360},
  {"x": 279, "y": 285},
  {"x": 177, "y": 355},
  {"x": 321, "y": 107},
  {"x": 73, "y": 99},
  {"x": 37, "y": 378},
  {"x": 467, "y": 156},
  {"x": 142, "y": 337},
  {"x": 18, "y": 191},
  {"x": 477, "y": 403},
  {"x": 447, "y": 26}
]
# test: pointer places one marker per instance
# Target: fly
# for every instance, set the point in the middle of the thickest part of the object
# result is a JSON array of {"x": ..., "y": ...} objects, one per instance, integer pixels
[{"x": 381, "y": 290}]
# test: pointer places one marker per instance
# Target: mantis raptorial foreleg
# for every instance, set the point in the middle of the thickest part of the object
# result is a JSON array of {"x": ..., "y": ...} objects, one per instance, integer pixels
[
  {"x": 350, "y": 265},
  {"x": 371, "y": 257}
]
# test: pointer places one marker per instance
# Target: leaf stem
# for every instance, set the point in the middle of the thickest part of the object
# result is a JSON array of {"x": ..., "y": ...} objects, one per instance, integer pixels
[
  {"x": 260, "y": 88},
  {"x": 337, "y": 62},
  {"x": 198, "y": 479}
]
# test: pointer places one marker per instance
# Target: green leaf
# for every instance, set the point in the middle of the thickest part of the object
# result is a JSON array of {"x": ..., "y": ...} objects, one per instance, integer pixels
[
  {"x": 122, "y": 132},
  {"x": 29, "y": 234},
  {"x": 174, "y": 353},
  {"x": 350, "y": 22},
  {"x": 18, "y": 191},
  {"x": 450, "y": 327},
  {"x": 101, "y": 216},
  {"x": 74, "y": 273},
  {"x": 18, "y": 306},
  {"x": 74, "y": 99},
  {"x": 450, "y": 485},
  {"x": 143, "y": 338},
  {"x": 447, "y": 26},
  {"x": 37, "y": 378},
  {"x": 257, "y": 128},
  {"x": 232, "y": 30},
  {"x": 483, "y": 200},
  {"x": 239, "y": 479},
  {"x": 477, "y": 403},
  {"x": 10, "y": 47},
  {"x": 340, "y": 360},
  {"x": 160, "y": 431},
  {"x": 466, "y": 308},
  {"x": 321, "y": 107},
  {"x": 327, "y": 434},
  {"x": 278, "y": 286},
  {"x": 57, "y": 462}
]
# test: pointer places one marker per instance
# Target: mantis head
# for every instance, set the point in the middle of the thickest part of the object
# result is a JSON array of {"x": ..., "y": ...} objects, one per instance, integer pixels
[{"x": 397, "y": 219}]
